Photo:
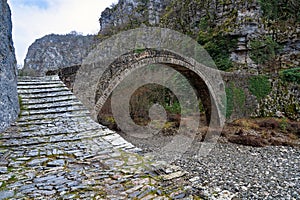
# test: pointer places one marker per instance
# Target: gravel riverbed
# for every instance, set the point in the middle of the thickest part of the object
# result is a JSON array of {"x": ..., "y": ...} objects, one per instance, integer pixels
[
  {"x": 252, "y": 173},
  {"x": 245, "y": 172}
]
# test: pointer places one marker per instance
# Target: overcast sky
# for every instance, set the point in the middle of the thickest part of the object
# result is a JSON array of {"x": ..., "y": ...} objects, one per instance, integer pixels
[{"x": 33, "y": 19}]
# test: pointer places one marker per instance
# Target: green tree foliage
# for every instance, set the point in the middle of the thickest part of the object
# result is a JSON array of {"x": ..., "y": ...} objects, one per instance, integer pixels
[
  {"x": 281, "y": 9},
  {"x": 219, "y": 48},
  {"x": 291, "y": 75}
]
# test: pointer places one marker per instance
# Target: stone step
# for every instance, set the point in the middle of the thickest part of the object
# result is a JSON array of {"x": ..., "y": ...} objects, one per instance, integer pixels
[
  {"x": 53, "y": 111},
  {"x": 43, "y": 90},
  {"x": 54, "y": 121},
  {"x": 64, "y": 117},
  {"x": 58, "y": 127},
  {"x": 47, "y": 121},
  {"x": 39, "y": 86},
  {"x": 53, "y": 105},
  {"x": 52, "y": 114},
  {"x": 35, "y": 83},
  {"x": 46, "y": 95},
  {"x": 59, "y": 99},
  {"x": 38, "y": 78},
  {"x": 43, "y": 133},
  {"x": 69, "y": 137}
]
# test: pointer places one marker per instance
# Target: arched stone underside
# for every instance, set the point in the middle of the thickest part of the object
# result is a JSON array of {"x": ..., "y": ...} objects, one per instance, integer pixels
[{"x": 128, "y": 63}]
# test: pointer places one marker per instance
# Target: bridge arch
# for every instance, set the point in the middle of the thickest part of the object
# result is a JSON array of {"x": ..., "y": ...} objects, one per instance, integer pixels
[
  {"x": 116, "y": 57},
  {"x": 127, "y": 63}
]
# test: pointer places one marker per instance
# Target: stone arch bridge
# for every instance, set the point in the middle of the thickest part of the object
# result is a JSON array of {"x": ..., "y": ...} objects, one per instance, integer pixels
[{"x": 94, "y": 81}]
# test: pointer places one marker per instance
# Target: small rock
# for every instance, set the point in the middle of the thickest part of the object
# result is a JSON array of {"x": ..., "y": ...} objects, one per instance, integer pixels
[
  {"x": 45, "y": 178},
  {"x": 3, "y": 170},
  {"x": 179, "y": 196},
  {"x": 134, "y": 194},
  {"x": 56, "y": 163},
  {"x": 196, "y": 178},
  {"x": 244, "y": 188},
  {"x": 23, "y": 159},
  {"x": 47, "y": 192},
  {"x": 33, "y": 153},
  {"x": 37, "y": 162},
  {"x": 173, "y": 175}
]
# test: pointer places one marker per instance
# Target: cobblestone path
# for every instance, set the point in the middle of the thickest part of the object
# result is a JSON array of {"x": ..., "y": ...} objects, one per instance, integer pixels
[{"x": 55, "y": 151}]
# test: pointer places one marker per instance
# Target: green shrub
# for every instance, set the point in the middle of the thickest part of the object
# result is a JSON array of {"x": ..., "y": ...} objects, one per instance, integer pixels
[
  {"x": 281, "y": 9},
  {"x": 27, "y": 72},
  {"x": 291, "y": 75},
  {"x": 174, "y": 108},
  {"x": 260, "y": 86},
  {"x": 139, "y": 50}
]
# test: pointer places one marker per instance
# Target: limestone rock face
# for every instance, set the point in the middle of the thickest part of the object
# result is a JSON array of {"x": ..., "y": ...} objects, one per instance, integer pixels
[
  {"x": 9, "y": 106},
  {"x": 242, "y": 19},
  {"x": 53, "y": 52},
  {"x": 132, "y": 13}
]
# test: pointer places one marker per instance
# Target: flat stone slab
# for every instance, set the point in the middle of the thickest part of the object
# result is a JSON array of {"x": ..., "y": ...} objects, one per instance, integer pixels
[
  {"x": 3, "y": 170},
  {"x": 56, "y": 163},
  {"x": 37, "y": 162},
  {"x": 6, "y": 194}
]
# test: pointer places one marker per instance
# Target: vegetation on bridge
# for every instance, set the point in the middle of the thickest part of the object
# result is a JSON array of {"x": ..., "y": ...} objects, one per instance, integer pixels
[{"x": 260, "y": 86}]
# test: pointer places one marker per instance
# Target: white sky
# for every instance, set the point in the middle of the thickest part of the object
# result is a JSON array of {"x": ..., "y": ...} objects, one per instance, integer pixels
[{"x": 33, "y": 19}]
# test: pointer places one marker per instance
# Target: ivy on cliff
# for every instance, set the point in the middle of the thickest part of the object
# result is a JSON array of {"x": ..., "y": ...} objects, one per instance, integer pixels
[
  {"x": 291, "y": 75},
  {"x": 236, "y": 99},
  {"x": 281, "y": 9},
  {"x": 197, "y": 18},
  {"x": 219, "y": 47},
  {"x": 264, "y": 50},
  {"x": 260, "y": 86}
]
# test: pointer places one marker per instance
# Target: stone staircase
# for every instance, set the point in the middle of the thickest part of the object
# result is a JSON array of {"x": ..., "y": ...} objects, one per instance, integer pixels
[
  {"x": 50, "y": 113},
  {"x": 56, "y": 151}
]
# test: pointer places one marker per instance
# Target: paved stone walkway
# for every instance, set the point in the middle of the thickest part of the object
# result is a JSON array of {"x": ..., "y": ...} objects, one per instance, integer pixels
[{"x": 55, "y": 151}]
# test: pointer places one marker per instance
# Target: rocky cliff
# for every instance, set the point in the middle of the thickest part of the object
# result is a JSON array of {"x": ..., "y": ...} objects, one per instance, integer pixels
[
  {"x": 53, "y": 52},
  {"x": 9, "y": 106},
  {"x": 248, "y": 28},
  {"x": 132, "y": 13},
  {"x": 258, "y": 37}
]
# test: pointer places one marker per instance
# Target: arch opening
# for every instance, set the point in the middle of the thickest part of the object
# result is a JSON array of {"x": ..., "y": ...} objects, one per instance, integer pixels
[{"x": 132, "y": 60}]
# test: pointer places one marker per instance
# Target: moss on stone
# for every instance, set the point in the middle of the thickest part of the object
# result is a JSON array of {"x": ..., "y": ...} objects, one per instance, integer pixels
[
  {"x": 260, "y": 86},
  {"x": 235, "y": 99}
]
